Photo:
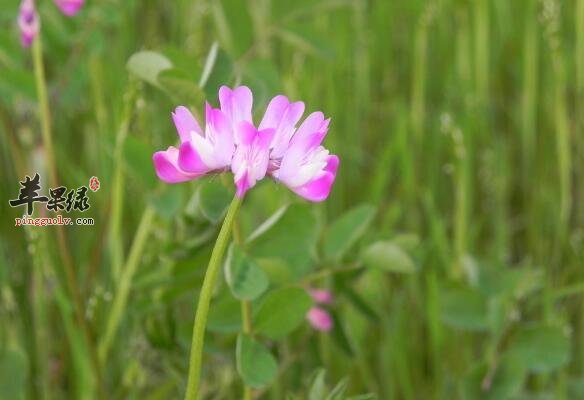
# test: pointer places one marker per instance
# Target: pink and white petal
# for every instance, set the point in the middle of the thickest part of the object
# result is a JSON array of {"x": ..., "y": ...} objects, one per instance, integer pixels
[
  {"x": 167, "y": 169},
  {"x": 186, "y": 124},
  {"x": 245, "y": 133},
  {"x": 332, "y": 164},
  {"x": 189, "y": 159},
  {"x": 313, "y": 123},
  {"x": 274, "y": 112},
  {"x": 220, "y": 134},
  {"x": 236, "y": 103},
  {"x": 318, "y": 189},
  {"x": 264, "y": 139},
  {"x": 243, "y": 184}
]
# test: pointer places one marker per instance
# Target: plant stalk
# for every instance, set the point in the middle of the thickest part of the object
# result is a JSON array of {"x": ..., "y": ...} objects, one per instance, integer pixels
[
  {"x": 70, "y": 275},
  {"x": 205, "y": 299}
]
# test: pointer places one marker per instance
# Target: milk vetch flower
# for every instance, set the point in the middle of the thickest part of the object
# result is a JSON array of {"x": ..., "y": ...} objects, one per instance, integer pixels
[
  {"x": 28, "y": 22},
  {"x": 69, "y": 7},
  {"x": 318, "y": 317},
  {"x": 230, "y": 141}
]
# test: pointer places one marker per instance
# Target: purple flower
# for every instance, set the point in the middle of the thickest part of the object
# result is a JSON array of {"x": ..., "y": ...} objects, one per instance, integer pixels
[
  {"x": 231, "y": 141},
  {"x": 319, "y": 319},
  {"x": 28, "y": 22},
  {"x": 69, "y": 7}
]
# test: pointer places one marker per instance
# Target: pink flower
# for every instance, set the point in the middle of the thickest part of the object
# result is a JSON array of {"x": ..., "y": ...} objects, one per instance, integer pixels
[
  {"x": 69, "y": 7},
  {"x": 321, "y": 296},
  {"x": 297, "y": 159},
  {"x": 250, "y": 161},
  {"x": 28, "y": 22},
  {"x": 319, "y": 319},
  {"x": 200, "y": 152},
  {"x": 230, "y": 141}
]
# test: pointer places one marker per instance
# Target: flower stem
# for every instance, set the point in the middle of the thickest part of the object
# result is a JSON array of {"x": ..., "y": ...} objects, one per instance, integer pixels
[
  {"x": 69, "y": 269},
  {"x": 246, "y": 319},
  {"x": 245, "y": 311},
  {"x": 205, "y": 298}
]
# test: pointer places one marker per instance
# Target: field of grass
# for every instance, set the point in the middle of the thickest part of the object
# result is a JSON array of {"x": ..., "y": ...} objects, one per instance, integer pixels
[{"x": 453, "y": 239}]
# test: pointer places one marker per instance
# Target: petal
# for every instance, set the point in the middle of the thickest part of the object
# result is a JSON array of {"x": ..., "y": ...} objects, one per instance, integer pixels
[
  {"x": 167, "y": 169},
  {"x": 283, "y": 117},
  {"x": 319, "y": 319},
  {"x": 190, "y": 160},
  {"x": 312, "y": 124},
  {"x": 243, "y": 185},
  {"x": 318, "y": 189},
  {"x": 274, "y": 112},
  {"x": 185, "y": 123},
  {"x": 245, "y": 133},
  {"x": 236, "y": 103},
  {"x": 69, "y": 7},
  {"x": 332, "y": 164},
  {"x": 219, "y": 132},
  {"x": 265, "y": 137}
]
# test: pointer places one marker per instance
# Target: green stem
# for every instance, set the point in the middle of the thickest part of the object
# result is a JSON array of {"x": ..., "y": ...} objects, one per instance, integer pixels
[
  {"x": 69, "y": 269},
  {"x": 245, "y": 311},
  {"x": 205, "y": 298},
  {"x": 123, "y": 289},
  {"x": 44, "y": 114},
  {"x": 247, "y": 329}
]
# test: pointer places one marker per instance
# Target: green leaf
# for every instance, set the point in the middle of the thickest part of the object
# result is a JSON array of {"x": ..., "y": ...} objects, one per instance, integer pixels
[
  {"x": 506, "y": 380},
  {"x": 541, "y": 348},
  {"x": 346, "y": 230},
  {"x": 245, "y": 279},
  {"x": 147, "y": 65},
  {"x": 338, "y": 392},
  {"x": 340, "y": 335},
  {"x": 463, "y": 308},
  {"x": 179, "y": 87},
  {"x": 282, "y": 311},
  {"x": 291, "y": 237},
  {"x": 214, "y": 198},
  {"x": 138, "y": 159},
  {"x": 388, "y": 256},
  {"x": 168, "y": 202},
  {"x": 317, "y": 389},
  {"x": 256, "y": 365},
  {"x": 225, "y": 315}
]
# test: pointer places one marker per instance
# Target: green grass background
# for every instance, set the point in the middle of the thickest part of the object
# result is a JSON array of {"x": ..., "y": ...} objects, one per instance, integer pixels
[{"x": 461, "y": 122}]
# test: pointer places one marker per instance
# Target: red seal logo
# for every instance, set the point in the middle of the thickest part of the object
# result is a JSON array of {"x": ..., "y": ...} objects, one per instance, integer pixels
[{"x": 94, "y": 184}]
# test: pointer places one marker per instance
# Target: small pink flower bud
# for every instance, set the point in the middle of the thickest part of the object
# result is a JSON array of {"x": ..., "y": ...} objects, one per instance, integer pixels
[
  {"x": 28, "y": 22},
  {"x": 320, "y": 319},
  {"x": 321, "y": 296}
]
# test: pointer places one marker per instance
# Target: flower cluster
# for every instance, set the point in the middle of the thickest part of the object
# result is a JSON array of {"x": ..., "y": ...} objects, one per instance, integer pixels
[
  {"x": 317, "y": 316},
  {"x": 230, "y": 141},
  {"x": 29, "y": 21}
]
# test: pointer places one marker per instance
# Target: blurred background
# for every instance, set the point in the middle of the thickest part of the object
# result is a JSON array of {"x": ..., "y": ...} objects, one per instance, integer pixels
[{"x": 452, "y": 240}]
